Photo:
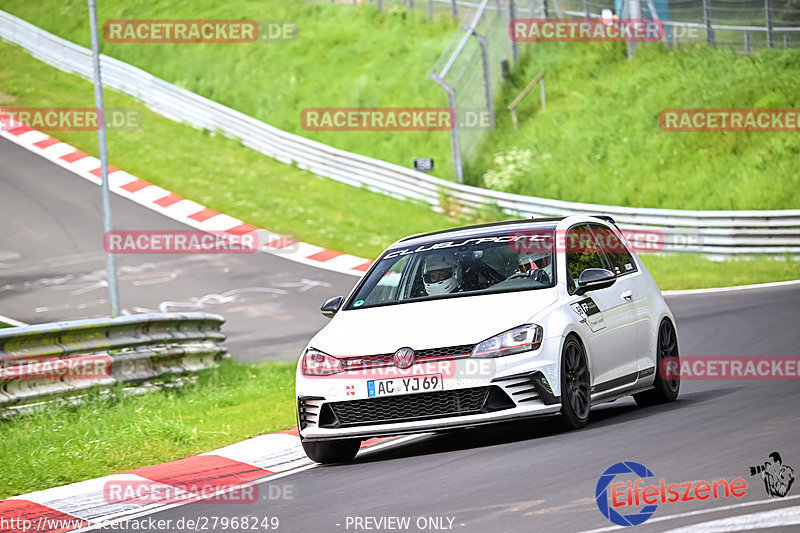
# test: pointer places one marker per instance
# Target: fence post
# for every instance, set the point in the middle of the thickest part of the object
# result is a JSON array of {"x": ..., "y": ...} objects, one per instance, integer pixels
[
  {"x": 747, "y": 41},
  {"x": 544, "y": 95},
  {"x": 634, "y": 12},
  {"x": 786, "y": 41},
  {"x": 454, "y": 8},
  {"x": 770, "y": 34},
  {"x": 587, "y": 7},
  {"x": 514, "y": 44},
  {"x": 454, "y": 140},
  {"x": 430, "y": 9},
  {"x": 707, "y": 19},
  {"x": 380, "y": 5},
  {"x": 487, "y": 85},
  {"x": 544, "y": 9},
  {"x": 410, "y": 4}
]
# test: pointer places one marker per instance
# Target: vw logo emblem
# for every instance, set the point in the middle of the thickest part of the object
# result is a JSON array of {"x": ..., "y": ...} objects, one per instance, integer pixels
[{"x": 404, "y": 358}]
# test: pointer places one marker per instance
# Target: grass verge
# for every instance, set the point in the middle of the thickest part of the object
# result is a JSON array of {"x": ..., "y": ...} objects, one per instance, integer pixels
[
  {"x": 222, "y": 174},
  {"x": 105, "y": 435},
  {"x": 597, "y": 141}
]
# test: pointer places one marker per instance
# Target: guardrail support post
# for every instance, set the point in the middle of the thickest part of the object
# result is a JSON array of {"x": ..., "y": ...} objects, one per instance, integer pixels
[
  {"x": 707, "y": 19},
  {"x": 430, "y": 9},
  {"x": 587, "y": 9},
  {"x": 770, "y": 29},
  {"x": 786, "y": 41},
  {"x": 545, "y": 14},
  {"x": 380, "y": 5},
  {"x": 454, "y": 8},
  {"x": 747, "y": 42}
]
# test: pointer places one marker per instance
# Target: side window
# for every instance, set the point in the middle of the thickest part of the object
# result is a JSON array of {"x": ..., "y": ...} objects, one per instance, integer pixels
[
  {"x": 617, "y": 254},
  {"x": 583, "y": 251}
]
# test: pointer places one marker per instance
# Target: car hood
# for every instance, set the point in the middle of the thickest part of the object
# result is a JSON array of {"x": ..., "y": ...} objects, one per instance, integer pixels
[{"x": 431, "y": 324}]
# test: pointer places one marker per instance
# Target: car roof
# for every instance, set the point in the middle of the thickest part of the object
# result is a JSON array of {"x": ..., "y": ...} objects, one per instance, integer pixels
[{"x": 491, "y": 228}]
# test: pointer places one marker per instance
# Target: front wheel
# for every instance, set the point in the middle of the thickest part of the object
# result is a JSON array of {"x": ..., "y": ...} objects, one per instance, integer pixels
[
  {"x": 575, "y": 387},
  {"x": 332, "y": 451},
  {"x": 667, "y": 382}
]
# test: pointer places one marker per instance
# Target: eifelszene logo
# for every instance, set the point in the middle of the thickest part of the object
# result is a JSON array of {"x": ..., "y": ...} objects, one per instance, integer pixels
[{"x": 629, "y": 493}]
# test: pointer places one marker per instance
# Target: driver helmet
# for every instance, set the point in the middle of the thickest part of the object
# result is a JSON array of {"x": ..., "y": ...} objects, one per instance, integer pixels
[
  {"x": 528, "y": 261},
  {"x": 441, "y": 274}
]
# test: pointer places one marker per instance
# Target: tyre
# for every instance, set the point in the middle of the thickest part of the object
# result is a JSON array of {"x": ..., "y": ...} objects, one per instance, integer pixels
[
  {"x": 665, "y": 388},
  {"x": 332, "y": 451},
  {"x": 575, "y": 385}
]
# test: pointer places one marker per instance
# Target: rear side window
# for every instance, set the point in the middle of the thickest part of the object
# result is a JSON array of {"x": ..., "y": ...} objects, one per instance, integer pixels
[
  {"x": 583, "y": 251},
  {"x": 616, "y": 252}
]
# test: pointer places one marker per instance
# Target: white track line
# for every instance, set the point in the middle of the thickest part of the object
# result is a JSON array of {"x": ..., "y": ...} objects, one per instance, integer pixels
[
  {"x": 699, "y": 512},
  {"x": 732, "y": 288},
  {"x": 788, "y": 516},
  {"x": 11, "y": 321},
  {"x": 107, "y": 522}
]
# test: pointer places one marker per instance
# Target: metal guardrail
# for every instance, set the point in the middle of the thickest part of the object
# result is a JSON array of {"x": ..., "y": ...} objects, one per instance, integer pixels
[
  {"x": 713, "y": 232},
  {"x": 63, "y": 359}
]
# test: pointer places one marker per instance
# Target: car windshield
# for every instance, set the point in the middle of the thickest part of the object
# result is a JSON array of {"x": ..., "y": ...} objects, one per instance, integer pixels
[{"x": 459, "y": 267}]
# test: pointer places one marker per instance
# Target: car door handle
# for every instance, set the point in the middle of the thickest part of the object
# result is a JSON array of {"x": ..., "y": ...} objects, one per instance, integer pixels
[{"x": 627, "y": 295}]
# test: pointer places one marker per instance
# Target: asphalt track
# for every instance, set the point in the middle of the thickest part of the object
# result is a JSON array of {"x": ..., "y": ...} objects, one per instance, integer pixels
[
  {"x": 52, "y": 266},
  {"x": 509, "y": 478}
]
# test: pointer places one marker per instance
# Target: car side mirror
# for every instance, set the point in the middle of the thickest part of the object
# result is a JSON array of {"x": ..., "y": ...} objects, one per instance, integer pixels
[
  {"x": 331, "y": 307},
  {"x": 592, "y": 279}
]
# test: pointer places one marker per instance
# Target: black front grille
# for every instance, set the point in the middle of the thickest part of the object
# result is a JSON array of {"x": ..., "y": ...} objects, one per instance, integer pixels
[{"x": 411, "y": 407}]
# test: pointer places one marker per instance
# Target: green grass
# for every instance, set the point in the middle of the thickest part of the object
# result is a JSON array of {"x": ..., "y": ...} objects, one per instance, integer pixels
[
  {"x": 4, "y": 325},
  {"x": 598, "y": 140},
  {"x": 691, "y": 271},
  {"x": 105, "y": 435},
  {"x": 349, "y": 56},
  {"x": 222, "y": 174}
]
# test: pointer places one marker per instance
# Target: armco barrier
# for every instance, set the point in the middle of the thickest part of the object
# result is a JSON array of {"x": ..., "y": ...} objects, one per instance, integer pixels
[
  {"x": 712, "y": 232},
  {"x": 131, "y": 349}
]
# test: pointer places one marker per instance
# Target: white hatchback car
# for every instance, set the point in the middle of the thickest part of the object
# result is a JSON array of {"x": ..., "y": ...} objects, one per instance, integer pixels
[{"x": 483, "y": 324}]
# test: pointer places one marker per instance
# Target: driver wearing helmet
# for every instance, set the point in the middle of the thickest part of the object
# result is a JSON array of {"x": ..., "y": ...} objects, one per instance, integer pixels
[
  {"x": 532, "y": 265},
  {"x": 441, "y": 274}
]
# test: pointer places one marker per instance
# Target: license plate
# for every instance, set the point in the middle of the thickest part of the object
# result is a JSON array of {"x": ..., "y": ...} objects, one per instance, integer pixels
[{"x": 393, "y": 386}]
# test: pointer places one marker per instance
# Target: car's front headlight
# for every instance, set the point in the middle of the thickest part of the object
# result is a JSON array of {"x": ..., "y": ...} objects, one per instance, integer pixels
[
  {"x": 519, "y": 339},
  {"x": 317, "y": 363}
]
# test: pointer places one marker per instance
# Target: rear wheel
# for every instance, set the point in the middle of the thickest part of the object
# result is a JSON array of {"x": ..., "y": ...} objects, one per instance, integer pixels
[
  {"x": 575, "y": 394},
  {"x": 667, "y": 382},
  {"x": 332, "y": 451}
]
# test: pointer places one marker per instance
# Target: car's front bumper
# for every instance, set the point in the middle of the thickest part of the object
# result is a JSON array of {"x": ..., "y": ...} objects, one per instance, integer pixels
[{"x": 474, "y": 392}]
